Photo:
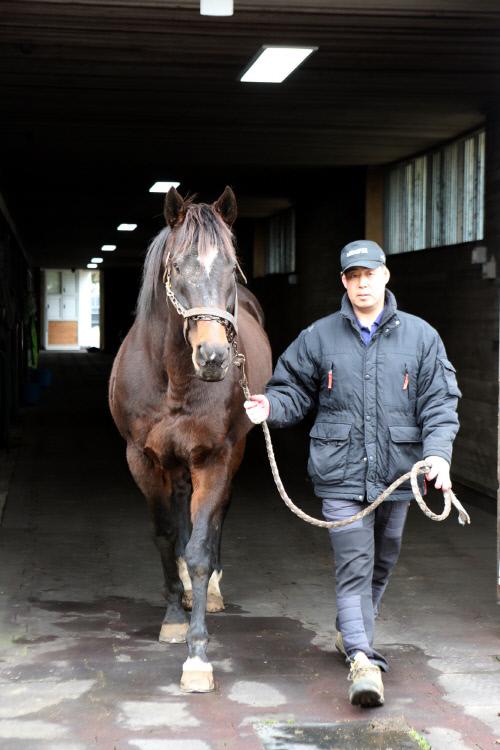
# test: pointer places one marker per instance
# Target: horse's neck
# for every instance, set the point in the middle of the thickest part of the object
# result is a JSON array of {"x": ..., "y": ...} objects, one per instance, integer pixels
[
  {"x": 171, "y": 356},
  {"x": 170, "y": 352}
]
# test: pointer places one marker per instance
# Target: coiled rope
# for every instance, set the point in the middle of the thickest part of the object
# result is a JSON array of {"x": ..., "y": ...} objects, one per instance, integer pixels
[{"x": 419, "y": 468}]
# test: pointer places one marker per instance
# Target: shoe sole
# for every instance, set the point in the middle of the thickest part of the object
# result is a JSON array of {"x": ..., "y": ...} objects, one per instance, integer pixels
[{"x": 366, "y": 697}]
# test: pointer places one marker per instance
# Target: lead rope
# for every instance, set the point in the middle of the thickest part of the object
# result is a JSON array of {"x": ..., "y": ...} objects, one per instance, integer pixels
[{"x": 419, "y": 468}]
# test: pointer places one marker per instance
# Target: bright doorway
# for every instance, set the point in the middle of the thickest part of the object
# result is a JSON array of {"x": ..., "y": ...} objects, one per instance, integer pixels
[{"x": 71, "y": 309}]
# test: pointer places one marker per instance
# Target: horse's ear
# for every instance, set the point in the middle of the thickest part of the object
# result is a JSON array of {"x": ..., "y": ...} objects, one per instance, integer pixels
[
  {"x": 226, "y": 206},
  {"x": 174, "y": 208}
]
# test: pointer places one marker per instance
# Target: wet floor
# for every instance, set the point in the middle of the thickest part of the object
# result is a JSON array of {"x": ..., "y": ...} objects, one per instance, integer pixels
[{"x": 81, "y": 607}]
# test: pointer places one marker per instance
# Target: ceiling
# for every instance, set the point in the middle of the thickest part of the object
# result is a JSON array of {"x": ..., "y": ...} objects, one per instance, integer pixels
[{"x": 102, "y": 98}]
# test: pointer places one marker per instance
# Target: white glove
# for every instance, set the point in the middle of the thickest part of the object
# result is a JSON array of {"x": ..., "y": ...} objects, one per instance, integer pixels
[
  {"x": 440, "y": 471},
  {"x": 257, "y": 408}
]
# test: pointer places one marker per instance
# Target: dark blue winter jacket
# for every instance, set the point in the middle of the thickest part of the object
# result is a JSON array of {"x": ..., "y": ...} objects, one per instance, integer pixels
[{"x": 380, "y": 407}]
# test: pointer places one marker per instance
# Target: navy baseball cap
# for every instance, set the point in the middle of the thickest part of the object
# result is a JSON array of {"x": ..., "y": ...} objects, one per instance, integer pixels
[{"x": 361, "y": 253}]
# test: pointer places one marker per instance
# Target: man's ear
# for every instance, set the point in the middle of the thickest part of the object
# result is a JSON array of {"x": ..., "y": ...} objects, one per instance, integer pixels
[
  {"x": 387, "y": 274},
  {"x": 342, "y": 276}
]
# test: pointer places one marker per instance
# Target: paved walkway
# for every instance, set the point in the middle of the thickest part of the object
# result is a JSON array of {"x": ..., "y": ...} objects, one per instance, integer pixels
[{"x": 81, "y": 606}]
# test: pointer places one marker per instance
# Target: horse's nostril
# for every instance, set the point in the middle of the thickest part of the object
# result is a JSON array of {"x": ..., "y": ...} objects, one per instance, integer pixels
[{"x": 212, "y": 355}]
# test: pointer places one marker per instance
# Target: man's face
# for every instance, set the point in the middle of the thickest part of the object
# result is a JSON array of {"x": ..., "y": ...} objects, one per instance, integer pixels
[{"x": 366, "y": 287}]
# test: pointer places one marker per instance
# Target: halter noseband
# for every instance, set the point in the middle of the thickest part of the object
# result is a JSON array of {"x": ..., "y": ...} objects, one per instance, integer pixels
[{"x": 226, "y": 319}]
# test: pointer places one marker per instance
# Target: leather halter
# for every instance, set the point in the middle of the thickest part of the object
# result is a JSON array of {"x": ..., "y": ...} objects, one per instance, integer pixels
[{"x": 226, "y": 319}]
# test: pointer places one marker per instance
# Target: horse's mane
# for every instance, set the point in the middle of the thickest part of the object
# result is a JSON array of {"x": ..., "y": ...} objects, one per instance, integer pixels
[{"x": 203, "y": 227}]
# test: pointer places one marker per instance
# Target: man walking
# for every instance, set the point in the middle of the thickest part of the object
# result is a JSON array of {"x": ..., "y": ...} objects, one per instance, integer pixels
[{"x": 385, "y": 396}]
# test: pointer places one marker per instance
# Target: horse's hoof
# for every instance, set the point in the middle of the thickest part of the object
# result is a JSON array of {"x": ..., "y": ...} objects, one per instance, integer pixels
[
  {"x": 187, "y": 600},
  {"x": 173, "y": 632},
  {"x": 215, "y": 603},
  {"x": 197, "y": 676}
]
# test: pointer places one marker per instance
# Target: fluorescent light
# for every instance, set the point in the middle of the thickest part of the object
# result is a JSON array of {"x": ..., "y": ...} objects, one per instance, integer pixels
[
  {"x": 108, "y": 248},
  {"x": 126, "y": 227},
  {"x": 274, "y": 64},
  {"x": 216, "y": 7},
  {"x": 96, "y": 260},
  {"x": 163, "y": 187},
  {"x": 91, "y": 265}
]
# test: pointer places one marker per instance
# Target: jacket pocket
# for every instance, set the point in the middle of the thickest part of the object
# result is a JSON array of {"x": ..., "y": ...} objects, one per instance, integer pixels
[
  {"x": 450, "y": 378},
  {"x": 405, "y": 449},
  {"x": 329, "y": 448}
]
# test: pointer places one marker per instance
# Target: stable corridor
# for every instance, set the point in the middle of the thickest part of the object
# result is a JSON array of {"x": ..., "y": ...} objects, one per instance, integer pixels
[{"x": 81, "y": 604}]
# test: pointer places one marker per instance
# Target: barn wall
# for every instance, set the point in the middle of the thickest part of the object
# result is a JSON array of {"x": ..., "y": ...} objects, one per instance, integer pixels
[
  {"x": 329, "y": 213},
  {"x": 17, "y": 312},
  {"x": 445, "y": 288},
  {"x": 492, "y": 217},
  {"x": 441, "y": 285}
]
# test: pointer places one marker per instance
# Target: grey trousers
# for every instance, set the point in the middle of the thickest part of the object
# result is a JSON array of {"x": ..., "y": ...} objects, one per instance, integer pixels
[{"x": 365, "y": 553}]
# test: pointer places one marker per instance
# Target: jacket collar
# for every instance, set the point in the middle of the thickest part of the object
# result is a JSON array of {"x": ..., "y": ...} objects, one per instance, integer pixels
[{"x": 390, "y": 308}]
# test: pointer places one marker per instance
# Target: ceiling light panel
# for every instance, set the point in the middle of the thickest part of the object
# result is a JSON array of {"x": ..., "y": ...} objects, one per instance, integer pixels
[
  {"x": 126, "y": 227},
  {"x": 274, "y": 64},
  {"x": 216, "y": 7},
  {"x": 163, "y": 187}
]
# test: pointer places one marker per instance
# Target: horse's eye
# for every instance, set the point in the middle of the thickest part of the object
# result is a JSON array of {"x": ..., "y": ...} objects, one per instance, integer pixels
[{"x": 175, "y": 267}]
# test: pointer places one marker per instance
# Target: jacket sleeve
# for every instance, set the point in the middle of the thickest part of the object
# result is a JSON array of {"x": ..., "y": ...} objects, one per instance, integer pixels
[
  {"x": 292, "y": 390},
  {"x": 437, "y": 399}
]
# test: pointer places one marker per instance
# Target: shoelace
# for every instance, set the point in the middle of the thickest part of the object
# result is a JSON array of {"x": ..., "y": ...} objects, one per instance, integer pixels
[{"x": 362, "y": 670}]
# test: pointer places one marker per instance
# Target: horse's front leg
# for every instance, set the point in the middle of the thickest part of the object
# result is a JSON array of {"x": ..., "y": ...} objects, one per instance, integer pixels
[{"x": 210, "y": 495}]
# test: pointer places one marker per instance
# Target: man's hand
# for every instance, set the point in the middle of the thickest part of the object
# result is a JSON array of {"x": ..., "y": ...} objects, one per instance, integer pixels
[
  {"x": 257, "y": 408},
  {"x": 440, "y": 471}
]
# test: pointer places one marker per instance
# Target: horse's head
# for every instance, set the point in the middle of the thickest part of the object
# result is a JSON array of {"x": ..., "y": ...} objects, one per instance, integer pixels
[{"x": 200, "y": 265}]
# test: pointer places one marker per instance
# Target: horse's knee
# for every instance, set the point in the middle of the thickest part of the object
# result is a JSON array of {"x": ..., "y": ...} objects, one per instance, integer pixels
[{"x": 197, "y": 561}]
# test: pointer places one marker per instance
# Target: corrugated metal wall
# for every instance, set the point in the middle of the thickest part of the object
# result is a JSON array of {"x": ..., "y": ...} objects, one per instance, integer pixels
[{"x": 436, "y": 199}]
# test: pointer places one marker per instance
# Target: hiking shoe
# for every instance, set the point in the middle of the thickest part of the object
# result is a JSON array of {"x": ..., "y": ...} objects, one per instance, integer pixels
[
  {"x": 339, "y": 644},
  {"x": 367, "y": 689}
]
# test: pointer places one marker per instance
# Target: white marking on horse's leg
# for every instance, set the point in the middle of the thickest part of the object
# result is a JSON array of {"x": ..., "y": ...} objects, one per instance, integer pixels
[
  {"x": 184, "y": 574},
  {"x": 213, "y": 584},
  {"x": 215, "y": 602},
  {"x": 197, "y": 676},
  {"x": 182, "y": 568}
]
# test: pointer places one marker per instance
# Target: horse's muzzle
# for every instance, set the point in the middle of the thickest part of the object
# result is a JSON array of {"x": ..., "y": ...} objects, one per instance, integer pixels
[{"x": 212, "y": 361}]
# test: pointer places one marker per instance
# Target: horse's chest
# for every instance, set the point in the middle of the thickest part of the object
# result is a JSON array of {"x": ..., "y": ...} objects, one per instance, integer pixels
[{"x": 185, "y": 440}]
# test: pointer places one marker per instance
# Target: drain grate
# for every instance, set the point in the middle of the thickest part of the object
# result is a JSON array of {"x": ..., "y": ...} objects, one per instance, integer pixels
[{"x": 359, "y": 735}]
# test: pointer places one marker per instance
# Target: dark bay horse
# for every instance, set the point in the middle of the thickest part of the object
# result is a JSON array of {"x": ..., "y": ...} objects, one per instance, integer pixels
[{"x": 175, "y": 398}]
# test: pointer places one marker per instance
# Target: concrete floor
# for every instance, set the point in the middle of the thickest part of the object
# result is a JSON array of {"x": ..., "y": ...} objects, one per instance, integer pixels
[{"x": 81, "y": 605}]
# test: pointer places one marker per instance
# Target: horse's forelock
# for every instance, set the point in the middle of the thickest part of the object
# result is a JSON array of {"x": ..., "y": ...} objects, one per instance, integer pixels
[{"x": 205, "y": 228}]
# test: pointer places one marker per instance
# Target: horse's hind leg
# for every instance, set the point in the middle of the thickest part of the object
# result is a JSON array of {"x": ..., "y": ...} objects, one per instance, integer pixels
[
  {"x": 157, "y": 486},
  {"x": 175, "y": 625}
]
